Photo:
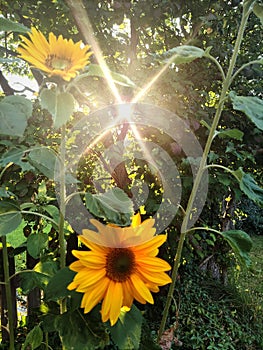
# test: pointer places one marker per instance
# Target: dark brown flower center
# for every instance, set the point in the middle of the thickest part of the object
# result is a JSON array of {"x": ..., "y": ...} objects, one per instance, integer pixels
[
  {"x": 120, "y": 264},
  {"x": 54, "y": 62}
]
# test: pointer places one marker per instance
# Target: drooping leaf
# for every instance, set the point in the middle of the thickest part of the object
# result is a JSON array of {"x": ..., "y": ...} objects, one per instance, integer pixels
[
  {"x": 77, "y": 332},
  {"x": 59, "y": 104},
  {"x": 12, "y": 121},
  {"x": 184, "y": 54},
  {"x": 249, "y": 186},
  {"x": 232, "y": 133},
  {"x": 33, "y": 339},
  {"x": 57, "y": 286},
  {"x": 251, "y": 106},
  {"x": 14, "y": 112},
  {"x": 47, "y": 162},
  {"x": 258, "y": 11},
  {"x": 126, "y": 333},
  {"x": 96, "y": 70},
  {"x": 114, "y": 206},
  {"x": 9, "y": 26},
  {"x": 21, "y": 103},
  {"x": 241, "y": 244},
  {"x": 36, "y": 243},
  {"x": 16, "y": 155},
  {"x": 10, "y": 217},
  {"x": 16, "y": 238},
  {"x": 44, "y": 159},
  {"x": 33, "y": 279}
]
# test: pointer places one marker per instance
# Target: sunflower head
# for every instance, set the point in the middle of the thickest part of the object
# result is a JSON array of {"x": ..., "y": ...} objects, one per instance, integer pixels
[
  {"x": 116, "y": 275},
  {"x": 56, "y": 56}
]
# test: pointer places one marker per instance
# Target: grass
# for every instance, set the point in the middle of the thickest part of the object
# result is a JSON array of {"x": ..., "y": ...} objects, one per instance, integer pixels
[{"x": 251, "y": 281}]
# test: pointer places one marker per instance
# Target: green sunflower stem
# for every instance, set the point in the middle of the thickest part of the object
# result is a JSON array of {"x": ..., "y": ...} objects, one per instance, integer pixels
[
  {"x": 8, "y": 296},
  {"x": 61, "y": 232},
  {"x": 184, "y": 228}
]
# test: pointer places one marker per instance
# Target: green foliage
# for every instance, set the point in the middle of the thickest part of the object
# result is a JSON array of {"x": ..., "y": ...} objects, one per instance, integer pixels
[
  {"x": 241, "y": 244},
  {"x": 214, "y": 316},
  {"x": 184, "y": 54},
  {"x": 126, "y": 333},
  {"x": 36, "y": 244},
  {"x": 57, "y": 286},
  {"x": 249, "y": 186},
  {"x": 59, "y": 104},
  {"x": 33, "y": 339},
  {"x": 251, "y": 106},
  {"x": 10, "y": 26},
  {"x": 96, "y": 71},
  {"x": 113, "y": 206},
  {"x": 76, "y": 331},
  {"x": 14, "y": 113},
  {"x": 10, "y": 217}
]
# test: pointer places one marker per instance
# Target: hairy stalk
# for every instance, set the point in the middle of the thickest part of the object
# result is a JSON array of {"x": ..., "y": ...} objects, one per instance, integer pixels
[
  {"x": 185, "y": 223},
  {"x": 8, "y": 296},
  {"x": 61, "y": 234}
]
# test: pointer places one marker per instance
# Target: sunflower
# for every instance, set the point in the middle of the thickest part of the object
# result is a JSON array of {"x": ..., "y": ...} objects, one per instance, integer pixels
[
  {"x": 117, "y": 274},
  {"x": 57, "y": 56}
]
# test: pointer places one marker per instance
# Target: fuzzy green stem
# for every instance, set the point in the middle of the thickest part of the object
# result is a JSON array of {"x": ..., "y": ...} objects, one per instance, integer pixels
[
  {"x": 185, "y": 223},
  {"x": 61, "y": 234},
  {"x": 8, "y": 296}
]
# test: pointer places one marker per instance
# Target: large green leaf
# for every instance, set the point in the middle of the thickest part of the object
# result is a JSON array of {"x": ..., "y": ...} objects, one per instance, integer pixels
[
  {"x": 232, "y": 133},
  {"x": 59, "y": 104},
  {"x": 9, "y": 26},
  {"x": 16, "y": 155},
  {"x": 258, "y": 11},
  {"x": 16, "y": 238},
  {"x": 14, "y": 112},
  {"x": 21, "y": 103},
  {"x": 57, "y": 286},
  {"x": 249, "y": 186},
  {"x": 32, "y": 279},
  {"x": 184, "y": 54},
  {"x": 241, "y": 244},
  {"x": 251, "y": 106},
  {"x": 33, "y": 339},
  {"x": 36, "y": 244},
  {"x": 77, "y": 332},
  {"x": 12, "y": 121},
  {"x": 96, "y": 70},
  {"x": 10, "y": 217},
  {"x": 126, "y": 333},
  {"x": 47, "y": 162},
  {"x": 113, "y": 206}
]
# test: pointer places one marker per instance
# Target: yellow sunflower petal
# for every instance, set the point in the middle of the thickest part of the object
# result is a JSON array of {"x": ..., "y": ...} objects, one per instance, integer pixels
[
  {"x": 94, "y": 295},
  {"x": 141, "y": 288},
  {"x": 153, "y": 264}
]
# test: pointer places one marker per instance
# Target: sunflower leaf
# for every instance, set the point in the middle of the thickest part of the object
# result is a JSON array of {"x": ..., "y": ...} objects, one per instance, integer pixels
[
  {"x": 10, "y": 217},
  {"x": 59, "y": 105},
  {"x": 33, "y": 339},
  {"x": 249, "y": 186},
  {"x": 126, "y": 333},
  {"x": 36, "y": 243},
  {"x": 113, "y": 206},
  {"x": 78, "y": 332},
  {"x": 184, "y": 54},
  {"x": 10, "y": 26},
  {"x": 97, "y": 71},
  {"x": 57, "y": 286},
  {"x": 14, "y": 112},
  {"x": 250, "y": 105},
  {"x": 241, "y": 244}
]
